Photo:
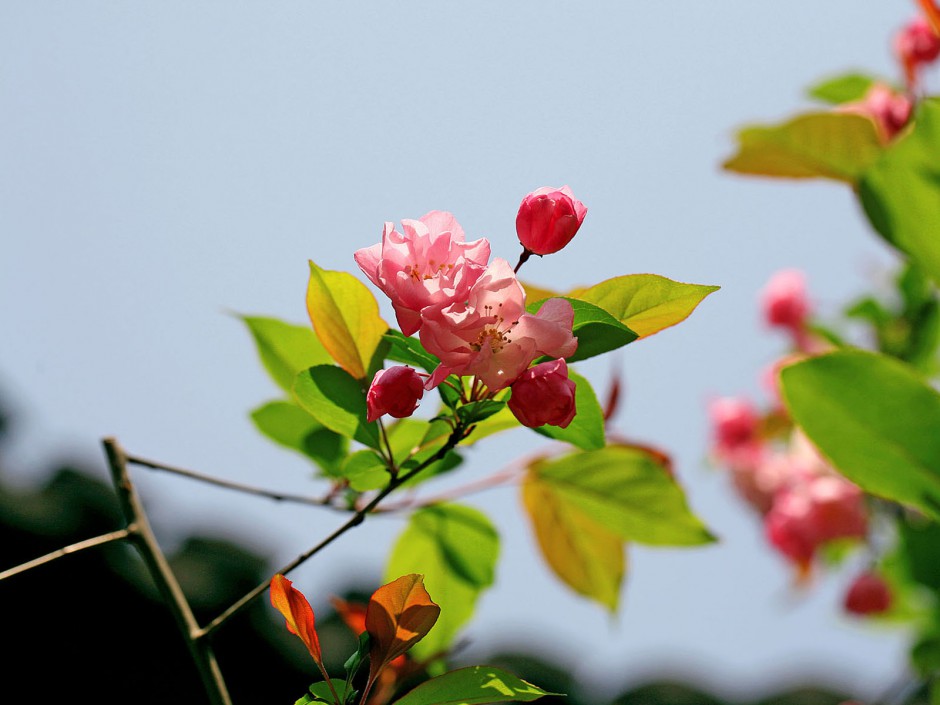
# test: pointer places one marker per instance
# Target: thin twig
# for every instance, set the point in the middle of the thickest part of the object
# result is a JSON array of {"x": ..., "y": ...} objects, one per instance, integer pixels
[
  {"x": 503, "y": 476},
  {"x": 166, "y": 581},
  {"x": 228, "y": 484},
  {"x": 455, "y": 437},
  {"x": 66, "y": 551}
]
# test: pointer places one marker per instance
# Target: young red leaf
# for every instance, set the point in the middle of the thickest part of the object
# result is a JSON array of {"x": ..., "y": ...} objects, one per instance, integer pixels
[
  {"x": 297, "y": 612},
  {"x": 399, "y": 615}
]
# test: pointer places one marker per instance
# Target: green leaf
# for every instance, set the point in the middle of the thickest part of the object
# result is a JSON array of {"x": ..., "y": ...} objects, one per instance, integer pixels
[
  {"x": 901, "y": 191},
  {"x": 335, "y": 399},
  {"x": 474, "y": 685},
  {"x": 285, "y": 349},
  {"x": 646, "y": 303},
  {"x": 365, "y": 471},
  {"x": 345, "y": 317},
  {"x": 875, "y": 421},
  {"x": 321, "y": 693},
  {"x": 287, "y": 424},
  {"x": 597, "y": 330},
  {"x": 354, "y": 662},
  {"x": 628, "y": 491},
  {"x": 831, "y": 145},
  {"x": 414, "y": 441},
  {"x": 477, "y": 411},
  {"x": 455, "y": 548},
  {"x": 582, "y": 553},
  {"x": 502, "y": 420},
  {"x": 846, "y": 88},
  {"x": 586, "y": 430},
  {"x": 409, "y": 351}
]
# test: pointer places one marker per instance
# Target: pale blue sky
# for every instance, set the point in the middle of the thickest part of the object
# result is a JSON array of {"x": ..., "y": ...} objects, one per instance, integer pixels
[{"x": 164, "y": 163}]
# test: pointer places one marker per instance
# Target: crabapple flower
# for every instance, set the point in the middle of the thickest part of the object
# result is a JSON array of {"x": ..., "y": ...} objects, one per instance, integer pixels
[
  {"x": 811, "y": 510},
  {"x": 784, "y": 301},
  {"x": 490, "y": 335},
  {"x": 915, "y": 45},
  {"x": 868, "y": 594},
  {"x": 889, "y": 111},
  {"x": 544, "y": 394},
  {"x": 548, "y": 218},
  {"x": 395, "y": 391},
  {"x": 735, "y": 425},
  {"x": 429, "y": 263}
]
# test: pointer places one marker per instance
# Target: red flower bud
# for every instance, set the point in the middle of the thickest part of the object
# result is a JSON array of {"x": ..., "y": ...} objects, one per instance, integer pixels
[
  {"x": 548, "y": 218},
  {"x": 544, "y": 395},
  {"x": 868, "y": 594},
  {"x": 395, "y": 391}
]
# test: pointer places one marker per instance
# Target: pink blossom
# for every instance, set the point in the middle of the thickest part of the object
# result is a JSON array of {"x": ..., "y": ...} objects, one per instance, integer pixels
[
  {"x": 889, "y": 111},
  {"x": 811, "y": 510},
  {"x": 490, "y": 335},
  {"x": 428, "y": 264},
  {"x": 548, "y": 218},
  {"x": 916, "y": 45},
  {"x": 784, "y": 301},
  {"x": 759, "y": 480},
  {"x": 868, "y": 594},
  {"x": 735, "y": 424},
  {"x": 395, "y": 391},
  {"x": 544, "y": 394}
]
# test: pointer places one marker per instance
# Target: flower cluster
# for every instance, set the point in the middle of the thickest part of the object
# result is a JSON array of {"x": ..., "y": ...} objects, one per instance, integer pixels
[
  {"x": 916, "y": 46},
  {"x": 470, "y": 312},
  {"x": 803, "y": 502}
]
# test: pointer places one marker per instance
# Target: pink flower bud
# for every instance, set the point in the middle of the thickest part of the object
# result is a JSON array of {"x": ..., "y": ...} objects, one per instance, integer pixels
[
  {"x": 889, "y": 111},
  {"x": 784, "y": 301},
  {"x": 868, "y": 594},
  {"x": 544, "y": 395},
  {"x": 395, "y": 391},
  {"x": 915, "y": 45},
  {"x": 548, "y": 218}
]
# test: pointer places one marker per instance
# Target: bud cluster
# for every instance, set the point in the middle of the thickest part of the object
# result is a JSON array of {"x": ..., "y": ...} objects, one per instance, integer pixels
[{"x": 469, "y": 311}]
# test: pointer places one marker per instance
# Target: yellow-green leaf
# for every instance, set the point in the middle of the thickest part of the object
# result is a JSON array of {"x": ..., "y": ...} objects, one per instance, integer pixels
[
  {"x": 830, "y": 145},
  {"x": 582, "y": 553},
  {"x": 645, "y": 303},
  {"x": 345, "y": 316},
  {"x": 627, "y": 490},
  {"x": 285, "y": 348}
]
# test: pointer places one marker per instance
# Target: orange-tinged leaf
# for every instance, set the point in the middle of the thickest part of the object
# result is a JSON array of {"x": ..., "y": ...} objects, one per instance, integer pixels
[
  {"x": 582, "y": 553},
  {"x": 345, "y": 317},
  {"x": 932, "y": 13},
  {"x": 645, "y": 303},
  {"x": 535, "y": 293},
  {"x": 399, "y": 615},
  {"x": 298, "y": 613},
  {"x": 353, "y": 614}
]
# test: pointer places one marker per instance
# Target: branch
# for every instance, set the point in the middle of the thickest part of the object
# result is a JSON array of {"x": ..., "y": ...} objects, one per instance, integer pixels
[
  {"x": 455, "y": 437},
  {"x": 68, "y": 550},
  {"x": 145, "y": 542},
  {"x": 228, "y": 484}
]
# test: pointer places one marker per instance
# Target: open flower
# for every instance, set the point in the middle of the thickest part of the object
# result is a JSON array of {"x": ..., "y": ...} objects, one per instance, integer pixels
[
  {"x": 490, "y": 335},
  {"x": 429, "y": 263}
]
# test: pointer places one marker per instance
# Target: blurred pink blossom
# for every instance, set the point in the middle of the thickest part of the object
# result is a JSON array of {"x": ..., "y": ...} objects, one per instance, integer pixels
[
  {"x": 868, "y": 594},
  {"x": 915, "y": 46},
  {"x": 784, "y": 301},
  {"x": 889, "y": 111}
]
